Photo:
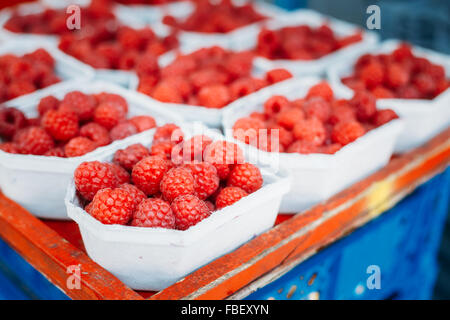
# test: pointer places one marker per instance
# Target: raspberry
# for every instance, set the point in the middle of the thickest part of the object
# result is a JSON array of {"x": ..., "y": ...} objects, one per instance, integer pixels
[
  {"x": 245, "y": 176},
  {"x": 229, "y": 195},
  {"x": 154, "y": 213},
  {"x": 396, "y": 76},
  {"x": 167, "y": 92},
  {"x": 112, "y": 98},
  {"x": 168, "y": 132},
  {"x": 9, "y": 147},
  {"x": 206, "y": 180},
  {"x": 19, "y": 88},
  {"x": 11, "y": 120},
  {"x": 148, "y": 173},
  {"x": 60, "y": 124},
  {"x": 131, "y": 155},
  {"x": 122, "y": 130},
  {"x": 277, "y": 75},
  {"x": 372, "y": 74},
  {"x": 189, "y": 210},
  {"x": 82, "y": 104},
  {"x": 56, "y": 152},
  {"x": 135, "y": 192},
  {"x": 341, "y": 113},
  {"x": 79, "y": 146},
  {"x": 424, "y": 84},
  {"x": 289, "y": 117},
  {"x": 310, "y": 130},
  {"x": 108, "y": 115},
  {"x": 210, "y": 206},
  {"x": 241, "y": 88},
  {"x": 365, "y": 105},
  {"x": 33, "y": 140},
  {"x": 41, "y": 55},
  {"x": 381, "y": 92},
  {"x": 143, "y": 123},
  {"x": 147, "y": 64},
  {"x": 408, "y": 92},
  {"x": 90, "y": 177},
  {"x": 162, "y": 149},
  {"x": 112, "y": 206},
  {"x": 275, "y": 104},
  {"x": 95, "y": 132},
  {"x": 383, "y": 116},
  {"x": 303, "y": 147},
  {"x": 214, "y": 96},
  {"x": 285, "y": 137},
  {"x": 317, "y": 107},
  {"x": 346, "y": 132},
  {"x": 194, "y": 148},
  {"x": 177, "y": 182},
  {"x": 331, "y": 148},
  {"x": 122, "y": 175},
  {"x": 402, "y": 52},
  {"x": 223, "y": 153},
  {"x": 46, "y": 104},
  {"x": 247, "y": 129},
  {"x": 322, "y": 90}
]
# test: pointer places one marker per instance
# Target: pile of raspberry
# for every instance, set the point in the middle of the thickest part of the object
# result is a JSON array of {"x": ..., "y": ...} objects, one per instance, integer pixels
[
  {"x": 399, "y": 74},
  {"x": 72, "y": 127},
  {"x": 317, "y": 123},
  {"x": 175, "y": 184},
  {"x": 54, "y": 21},
  {"x": 20, "y": 75},
  {"x": 221, "y": 17},
  {"x": 301, "y": 42},
  {"x": 118, "y": 47},
  {"x": 210, "y": 77}
]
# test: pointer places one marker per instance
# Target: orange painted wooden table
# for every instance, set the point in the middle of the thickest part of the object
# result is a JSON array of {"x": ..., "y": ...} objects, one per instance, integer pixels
[{"x": 52, "y": 246}]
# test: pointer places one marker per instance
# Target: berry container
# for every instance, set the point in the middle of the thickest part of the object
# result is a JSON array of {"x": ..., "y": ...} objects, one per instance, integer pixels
[
  {"x": 66, "y": 68},
  {"x": 313, "y": 19},
  {"x": 155, "y": 258},
  {"x": 316, "y": 177},
  {"x": 232, "y": 40},
  {"x": 423, "y": 118},
  {"x": 39, "y": 183}
]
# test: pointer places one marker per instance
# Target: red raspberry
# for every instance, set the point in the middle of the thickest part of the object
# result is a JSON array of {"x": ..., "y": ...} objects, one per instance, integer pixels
[
  {"x": 245, "y": 176},
  {"x": 424, "y": 84},
  {"x": 229, "y": 195},
  {"x": 79, "y": 146},
  {"x": 135, "y": 192},
  {"x": 90, "y": 177},
  {"x": 176, "y": 182},
  {"x": 82, "y": 104},
  {"x": 277, "y": 75},
  {"x": 167, "y": 92},
  {"x": 147, "y": 64},
  {"x": 9, "y": 147},
  {"x": 247, "y": 130},
  {"x": 310, "y": 130},
  {"x": 108, "y": 115},
  {"x": 210, "y": 206},
  {"x": 122, "y": 130},
  {"x": 148, "y": 173},
  {"x": 285, "y": 137},
  {"x": 143, "y": 123},
  {"x": 41, "y": 55},
  {"x": 214, "y": 96},
  {"x": 408, "y": 92},
  {"x": 112, "y": 206},
  {"x": 46, "y": 104},
  {"x": 396, "y": 75},
  {"x": 381, "y": 92},
  {"x": 33, "y": 140},
  {"x": 206, "y": 180},
  {"x": 168, "y": 132},
  {"x": 289, "y": 117},
  {"x": 223, "y": 153},
  {"x": 11, "y": 120},
  {"x": 19, "y": 88},
  {"x": 56, "y": 152},
  {"x": 112, "y": 98},
  {"x": 189, "y": 210},
  {"x": 346, "y": 132},
  {"x": 372, "y": 74},
  {"x": 242, "y": 87},
  {"x": 331, "y": 148},
  {"x": 384, "y": 116},
  {"x": 60, "y": 124},
  {"x": 322, "y": 90},
  {"x": 162, "y": 149},
  {"x": 154, "y": 213},
  {"x": 275, "y": 104},
  {"x": 98, "y": 134},
  {"x": 131, "y": 155},
  {"x": 303, "y": 147},
  {"x": 317, "y": 107},
  {"x": 402, "y": 52},
  {"x": 194, "y": 148},
  {"x": 364, "y": 104},
  {"x": 340, "y": 113},
  {"x": 122, "y": 175}
]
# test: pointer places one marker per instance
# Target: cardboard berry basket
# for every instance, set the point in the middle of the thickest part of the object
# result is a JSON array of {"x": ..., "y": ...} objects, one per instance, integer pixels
[
  {"x": 232, "y": 40},
  {"x": 155, "y": 258},
  {"x": 312, "y": 19},
  {"x": 423, "y": 118},
  {"x": 66, "y": 68},
  {"x": 39, "y": 183},
  {"x": 316, "y": 177}
]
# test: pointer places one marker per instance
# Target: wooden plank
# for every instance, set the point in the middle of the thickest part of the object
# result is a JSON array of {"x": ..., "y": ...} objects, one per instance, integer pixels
[{"x": 298, "y": 238}]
